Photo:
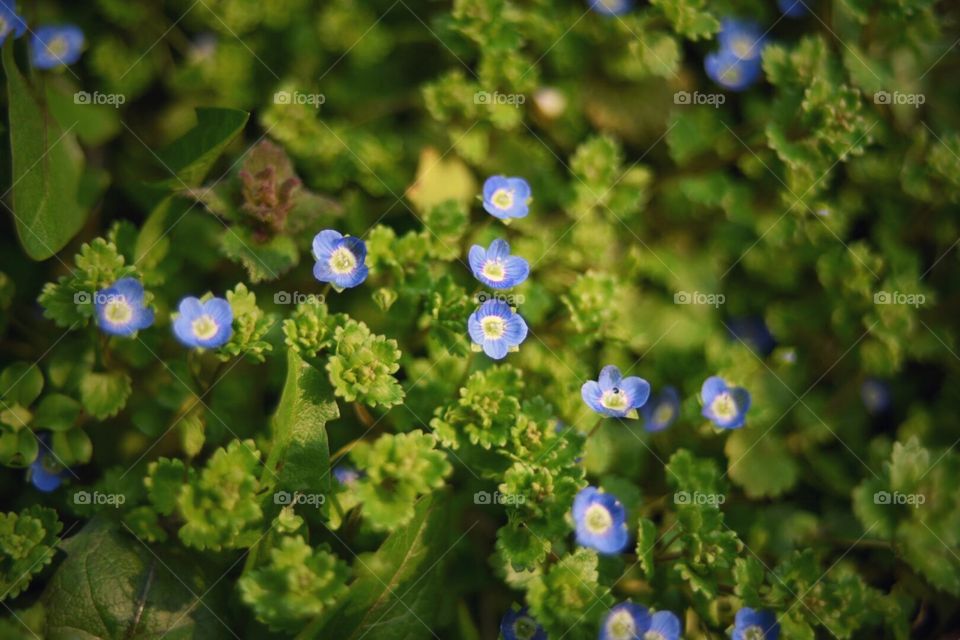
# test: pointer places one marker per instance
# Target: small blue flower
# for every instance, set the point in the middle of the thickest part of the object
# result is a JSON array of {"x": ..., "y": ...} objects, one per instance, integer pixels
[
  {"x": 601, "y": 521},
  {"x": 506, "y": 198},
  {"x": 754, "y": 332},
  {"x": 659, "y": 413},
  {"x": 518, "y": 625},
  {"x": 625, "y": 621},
  {"x": 496, "y": 329},
  {"x": 731, "y": 72},
  {"x": 664, "y": 625},
  {"x": 10, "y": 22},
  {"x": 742, "y": 38},
  {"x": 610, "y": 7},
  {"x": 206, "y": 325},
  {"x": 793, "y": 8},
  {"x": 725, "y": 406},
  {"x": 340, "y": 259},
  {"x": 495, "y": 267},
  {"x": 750, "y": 624},
  {"x": 615, "y": 396},
  {"x": 875, "y": 395},
  {"x": 45, "y": 473},
  {"x": 120, "y": 310},
  {"x": 345, "y": 474},
  {"x": 56, "y": 45}
]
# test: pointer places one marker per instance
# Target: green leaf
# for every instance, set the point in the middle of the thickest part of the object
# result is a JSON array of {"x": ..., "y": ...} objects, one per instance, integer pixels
[
  {"x": 191, "y": 157},
  {"x": 163, "y": 481},
  {"x": 46, "y": 167},
  {"x": 73, "y": 446},
  {"x": 112, "y": 586},
  {"x": 760, "y": 463},
  {"x": 105, "y": 394},
  {"x": 26, "y": 546},
  {"x": 362, "y": 368},
  {"x": 646, "y": 541},
  {"x": 57, "y": 412},
  {"x": 20, "y": 383},
  {"x": 397, "y": 589}
]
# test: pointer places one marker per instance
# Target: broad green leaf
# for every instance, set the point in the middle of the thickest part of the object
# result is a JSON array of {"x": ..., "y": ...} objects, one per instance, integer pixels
[
  {"x": 191, "y": 157},
  {"x": 47, "y": 164},
  {"x": 95, "y": 123},
  {"x": 57, "y": 412},
  {"x": 397, "y": 592},
  {"x": 105, "y": 394},
  {"x": 20, "y": 383},
  {"x": 113, "y": 586}
]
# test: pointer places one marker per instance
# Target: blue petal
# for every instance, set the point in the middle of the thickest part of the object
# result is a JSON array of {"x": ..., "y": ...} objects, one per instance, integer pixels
[
  {"x": 609, "y": 377},
  {"x": 357, "y": 247},
  {"x": 477, "y": 257},
  {"x": 591, "y": 393},
  {"x": 499, "y": 249},
  {"x": 666, "y": 624},
  {"x": 639, "y": 613},
  {"x": 474, "y": 328},
  {"x": 712, "y": 386},
  {"x": 515, "y": 330},
  {"x": 220, "y": 310},
  {"x": 521, "y": 189},
  {"x": 190, "y": 308},
  {"x": 324, "y": 244},
  {"x": 496, "y": 349},
  {"x": 322, "y": 271},
  {"x": 493, "y": 183},
  {"x": 183, "y": 330},
  {"x": 747, "y": 617},
  {"x": 583, "y": 499},
  {"x": 516, "y": 269},
  {"x": 352, "y": 279},
  {"x": 130, "y": 289},
  {"x": 637, "y": 390}
]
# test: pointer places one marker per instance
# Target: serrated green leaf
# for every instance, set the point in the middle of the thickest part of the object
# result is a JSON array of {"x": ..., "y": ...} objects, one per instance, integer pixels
[{"x": 105, "y": 394}]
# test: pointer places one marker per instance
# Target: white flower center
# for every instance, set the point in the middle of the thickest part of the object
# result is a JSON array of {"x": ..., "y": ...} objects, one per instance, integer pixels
[
  {"x": 117, "y": 311},
  {"x": 753, "y": 632},
  {"x": 342, "y": 261},
  {"x": 494, "y": 270},
  {"x": 493, "y": 327},
  {"x": 524, "y": 628},
  {"x": 57, "y": 47},
  {"x": 614, "y": 399},
  {"x": 653, "y": 635},
  {"x": 664, "y": 413},
  {"x": 723, "y": 406},
  {"x": 4, "y": 27},
  {"x": 730, "y": 74},
  {"x": 502, "y": 198},
  {"x": 204, "y": 327},
  {"x": 743, "y": 47},
  {"x": 621, "y": 626},
  {"x": 597, "y": 519}
]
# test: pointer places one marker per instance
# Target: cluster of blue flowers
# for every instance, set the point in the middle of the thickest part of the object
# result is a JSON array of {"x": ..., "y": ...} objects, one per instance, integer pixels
[
  {"x": 736, "y": 64},
  {"x": 51, "y": 46}
]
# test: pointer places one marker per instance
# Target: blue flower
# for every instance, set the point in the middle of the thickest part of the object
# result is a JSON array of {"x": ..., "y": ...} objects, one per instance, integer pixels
[
  {"x": 664, "y": 625},
  {"x": 120, "y": 310},
  {"x": 340, "y": 259},
  {"x": 56, "y": 45},
  {"x": 10, "y": 22},
  {"x": 205, "y": 325},
  {"x": 725, "y": 406},
  {"x": 875, "y": 395},
  {"x": 601, "y": 521},
  {"x": 45, "y": 473},
  {"x": 793, "y": 8},
  {"x": 625, "y": 621},
  {"x": 741, "y": 38},
  {"x": 615, "y": 396},
  {"x": 345, "y": 474},
  {"x": 518, "y": 625},
  {"x": 496, "y": 329},
  {"x": 659, "y": 413},
  {"x": 506, "y": 198},
  {"x": 731, "y": 72},
  {"x": 755, "y": 625},
  {"x": 610, "y": 7},
  {"x": 753, "y": 331},
  {"x": 495, "y": 267}
]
